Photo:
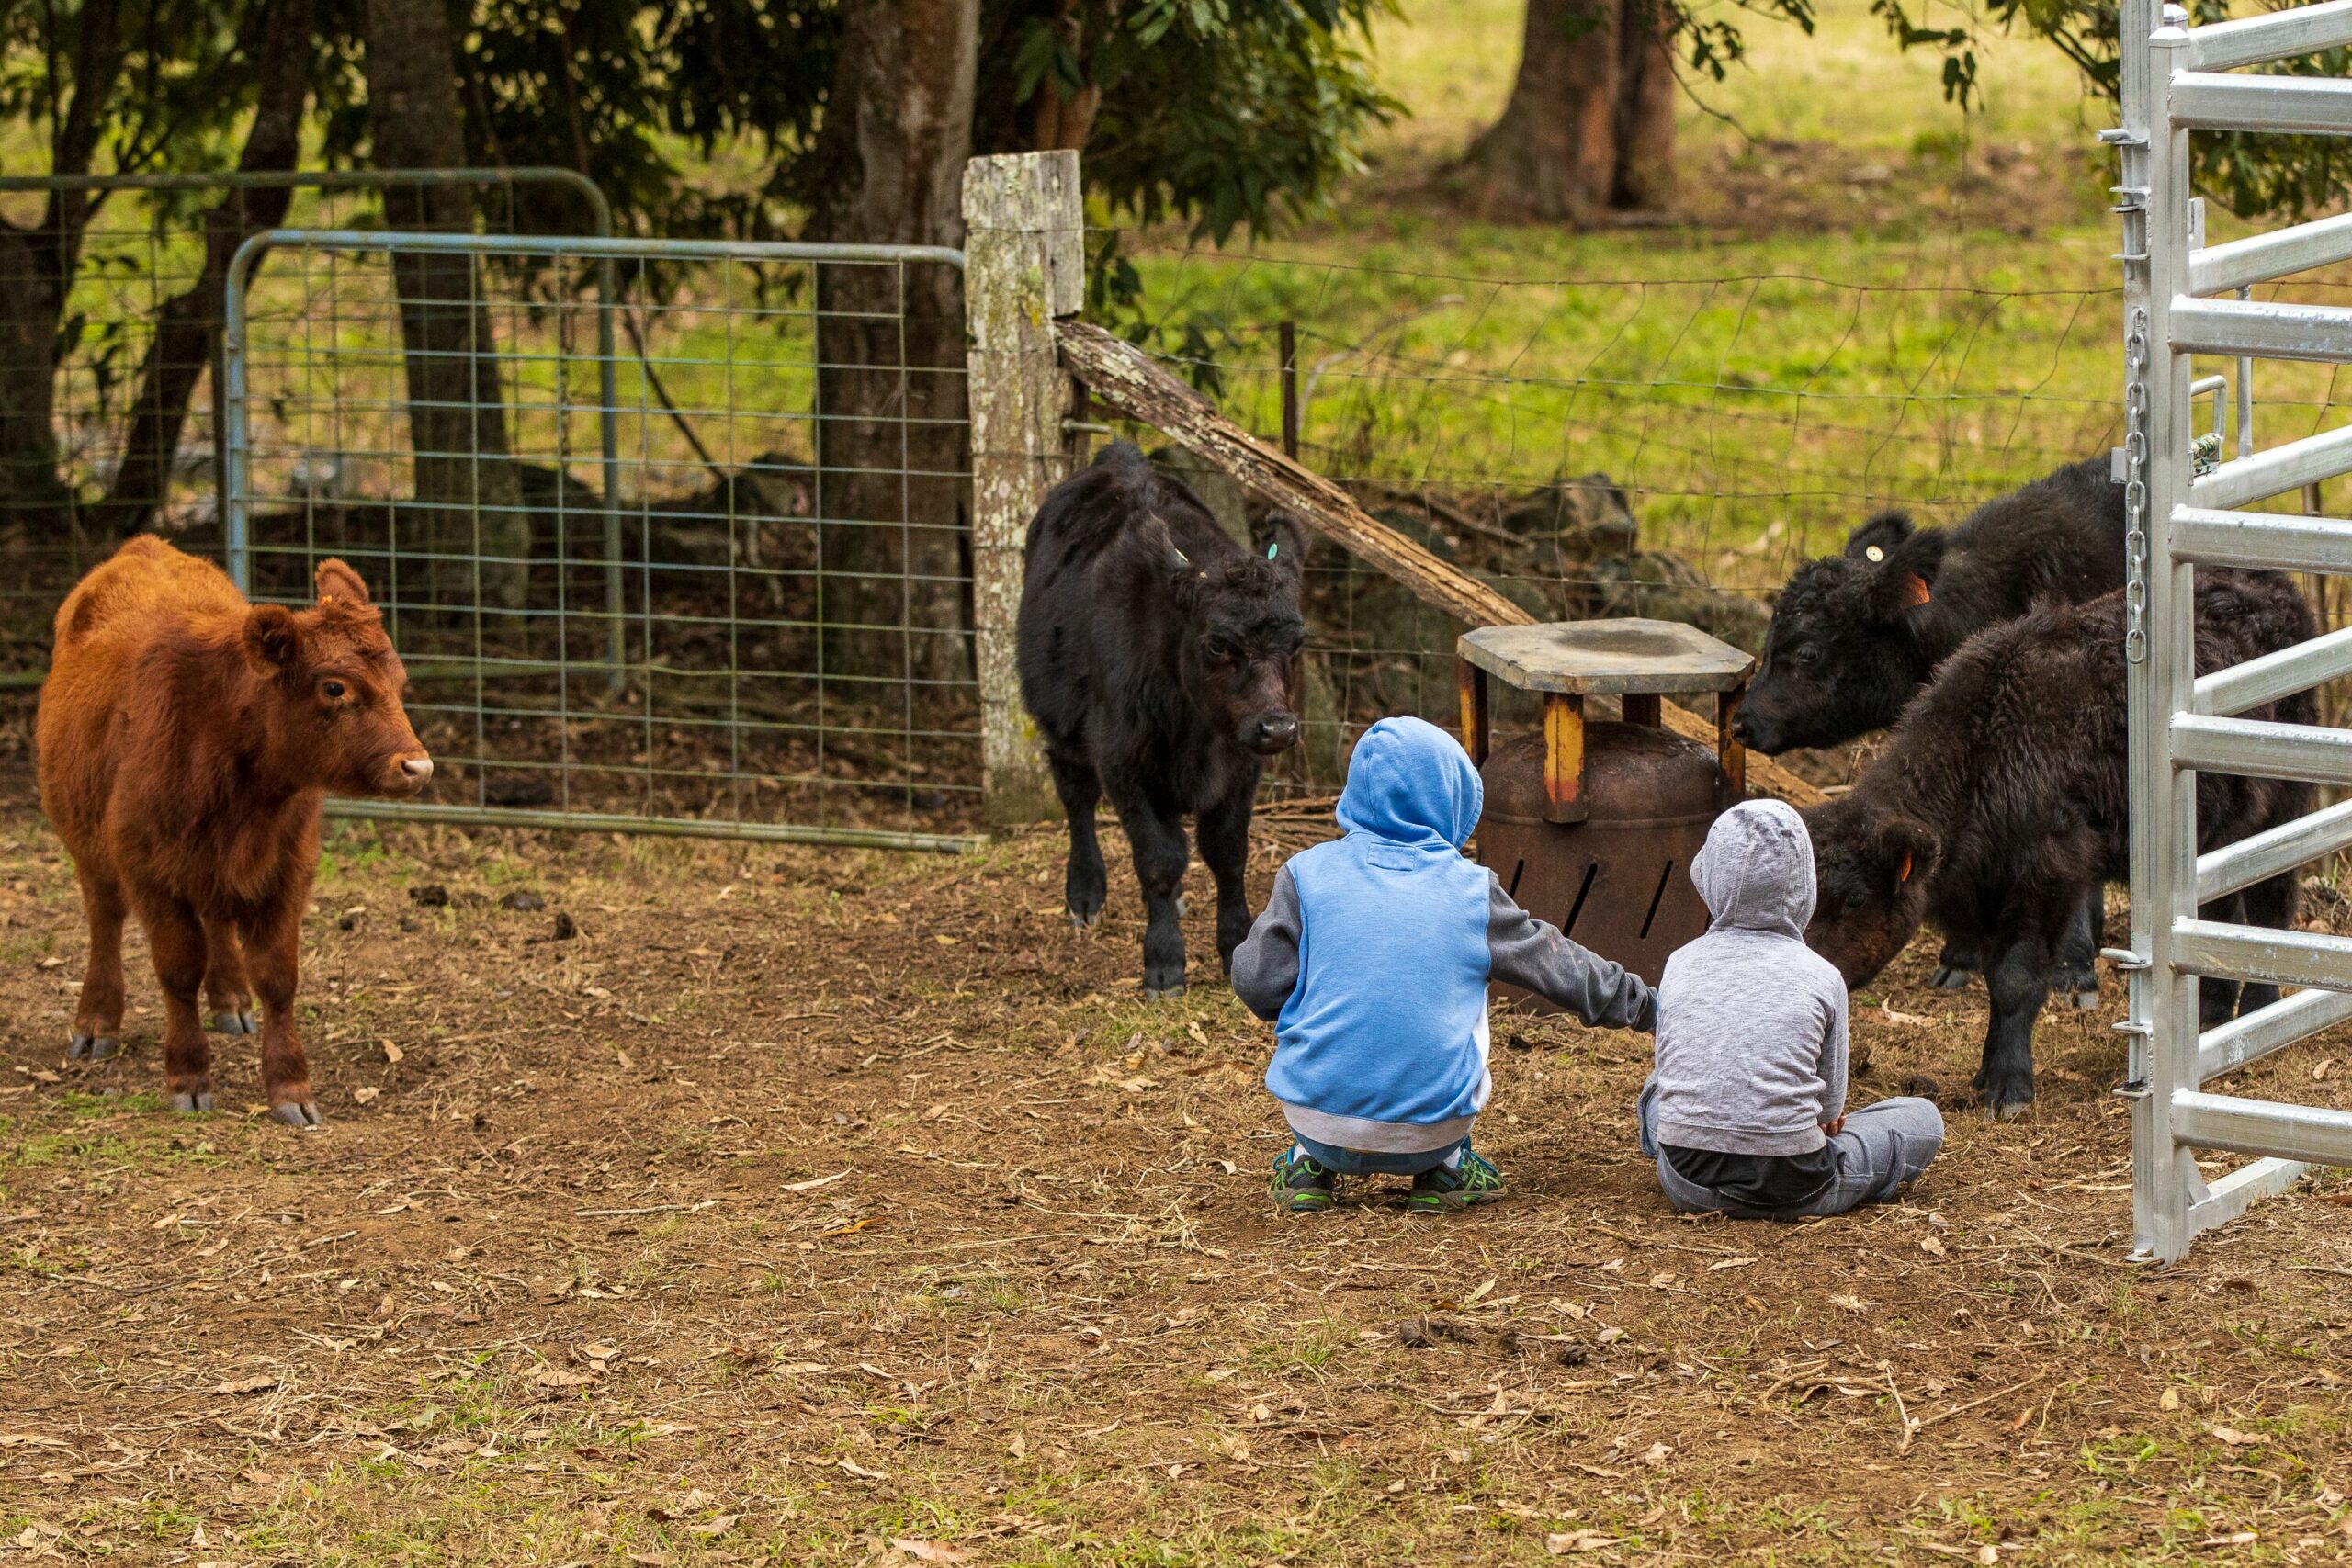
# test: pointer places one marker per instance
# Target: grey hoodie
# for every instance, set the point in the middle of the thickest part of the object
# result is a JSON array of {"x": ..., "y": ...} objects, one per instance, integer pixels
[{"x": 1751, "y": 1022}]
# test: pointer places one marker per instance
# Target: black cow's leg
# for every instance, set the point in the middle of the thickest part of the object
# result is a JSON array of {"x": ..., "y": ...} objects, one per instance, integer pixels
[
  {"x": 2271, "y": 904},
  {"x": 2018, "y": 979},
  {"x": 1224, "y": 846},
  {"x": 1157, "y": 840},
  {"x": 2077, "y": 977},
  {"x": 1954, "y": 965},
  {"x": 1084, "y": 886},
  {"x": 2217, "y": 999}
]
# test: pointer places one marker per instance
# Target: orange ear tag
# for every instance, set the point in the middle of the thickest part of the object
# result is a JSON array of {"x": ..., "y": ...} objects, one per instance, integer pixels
[
  {"x": 1902, "y": 873},
  {"x": 1915, "y": 590}
]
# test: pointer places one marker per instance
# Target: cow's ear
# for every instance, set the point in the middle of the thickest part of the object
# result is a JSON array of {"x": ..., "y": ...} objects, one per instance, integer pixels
[
  {"x": 1280, "y": 540},
  {"x": 1907, "y": 579},
  {"x": 1906, "y": 851},
  {"x": 273, "y": 637},
  {"x": 337, "y": 581},
  {"x": 1876, "y": 539}
]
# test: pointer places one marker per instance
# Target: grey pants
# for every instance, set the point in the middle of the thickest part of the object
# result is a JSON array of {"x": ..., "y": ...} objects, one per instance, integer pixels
[{"x": 1882, "y": 1150}]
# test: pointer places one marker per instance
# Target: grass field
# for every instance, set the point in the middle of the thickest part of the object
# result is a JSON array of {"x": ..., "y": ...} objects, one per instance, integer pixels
[{"x": 1875, "y": 300}]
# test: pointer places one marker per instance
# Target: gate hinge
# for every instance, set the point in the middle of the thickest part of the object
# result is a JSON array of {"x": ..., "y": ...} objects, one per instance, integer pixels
[
  {"x": 2129, "y": 1026},
  {"x": 2136, "y": 1090},
  {"x": 2124, "y": 958},
  {"x": 2119, "y": 135}
]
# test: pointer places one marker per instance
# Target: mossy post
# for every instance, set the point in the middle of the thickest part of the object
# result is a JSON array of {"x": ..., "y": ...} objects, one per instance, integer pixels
[{"x": 1024, "y": 267}]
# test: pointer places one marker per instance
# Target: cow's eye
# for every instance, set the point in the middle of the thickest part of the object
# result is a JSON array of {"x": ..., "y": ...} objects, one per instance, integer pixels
[
  {"x": 1856, "y": 900},
  {"x": 332, "y": 688}
]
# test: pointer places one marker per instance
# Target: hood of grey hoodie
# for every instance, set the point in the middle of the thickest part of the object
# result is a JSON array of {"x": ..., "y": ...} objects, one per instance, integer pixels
[{"x": 1756, "y": 869}]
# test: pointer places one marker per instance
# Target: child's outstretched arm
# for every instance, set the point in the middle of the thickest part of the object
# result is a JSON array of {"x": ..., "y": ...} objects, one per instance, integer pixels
[
  {"x": 1532, "y": 954},
  {"x": 1265, "y": 966}
]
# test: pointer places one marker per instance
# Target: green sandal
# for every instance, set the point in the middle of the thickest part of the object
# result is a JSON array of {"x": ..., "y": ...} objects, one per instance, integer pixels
[
  {"x": 1300, "y": 1185},
  {"x": 1441, "y": 1190}
]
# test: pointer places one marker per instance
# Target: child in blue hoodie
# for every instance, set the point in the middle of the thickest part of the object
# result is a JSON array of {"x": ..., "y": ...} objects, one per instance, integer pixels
[{"x": 1371, "y": 962}]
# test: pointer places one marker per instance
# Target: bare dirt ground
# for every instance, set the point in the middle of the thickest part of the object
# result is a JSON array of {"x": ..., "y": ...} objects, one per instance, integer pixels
[{"x": 809, "y": 1206}]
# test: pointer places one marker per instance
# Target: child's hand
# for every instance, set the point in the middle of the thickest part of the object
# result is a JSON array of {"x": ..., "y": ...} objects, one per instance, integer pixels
[{"x": 1831, "y": 1128}]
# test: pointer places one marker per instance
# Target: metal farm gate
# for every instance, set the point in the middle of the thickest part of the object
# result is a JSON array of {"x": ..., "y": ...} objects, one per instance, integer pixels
[
  {"x": 709, "y": 573},
  {"x": 2184, "y": 298}
]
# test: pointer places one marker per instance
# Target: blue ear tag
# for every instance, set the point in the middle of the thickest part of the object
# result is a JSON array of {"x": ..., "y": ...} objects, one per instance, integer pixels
[{"x": 1272, "y": 548}]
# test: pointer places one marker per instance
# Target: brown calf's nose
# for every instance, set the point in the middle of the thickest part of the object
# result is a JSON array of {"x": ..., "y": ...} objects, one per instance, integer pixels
[{"x": 416, "y": 769}]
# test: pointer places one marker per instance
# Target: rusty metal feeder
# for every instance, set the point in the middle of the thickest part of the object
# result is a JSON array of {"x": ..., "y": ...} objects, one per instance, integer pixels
[{"x": 1592, "y": 825}]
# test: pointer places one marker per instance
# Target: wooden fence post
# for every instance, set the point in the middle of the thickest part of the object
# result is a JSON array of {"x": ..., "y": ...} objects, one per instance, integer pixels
[{"x": 1024, "y": 265}]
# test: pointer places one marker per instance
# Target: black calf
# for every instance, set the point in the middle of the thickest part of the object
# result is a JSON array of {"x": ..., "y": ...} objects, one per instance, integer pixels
[
  {"x": 1155, "y": 656},
  {"x": 1998, "y": 808},
  {"x": 1855, "y": 635}
]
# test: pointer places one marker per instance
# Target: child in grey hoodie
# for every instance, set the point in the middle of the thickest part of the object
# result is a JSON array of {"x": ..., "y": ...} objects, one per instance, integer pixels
[{"x": 1745, "y": 1112}]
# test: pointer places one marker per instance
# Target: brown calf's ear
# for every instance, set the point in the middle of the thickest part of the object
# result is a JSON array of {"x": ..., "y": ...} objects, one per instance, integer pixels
[
  {"x": 273, "y": 637},
  {"x": 337, "y": 581}
]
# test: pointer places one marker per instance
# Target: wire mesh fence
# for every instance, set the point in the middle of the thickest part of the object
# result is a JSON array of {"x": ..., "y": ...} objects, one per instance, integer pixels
[
  {"x": 715, "y": 582},
  {"x": 1670, "y": 445},
  {"x": 110, "y": 394}
]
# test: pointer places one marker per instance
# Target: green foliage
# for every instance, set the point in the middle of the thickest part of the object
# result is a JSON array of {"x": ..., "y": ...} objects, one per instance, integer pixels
[
  {"x": 2287, "y": 176},
  {"x": 128, "y": 86},
  {"x": 1714, "y": 43},
  {"x": 1221, "y": 113}
]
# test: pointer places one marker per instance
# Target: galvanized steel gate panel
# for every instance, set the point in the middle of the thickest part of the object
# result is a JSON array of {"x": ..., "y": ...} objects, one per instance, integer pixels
[
  {"x": 656, "y": 645},
  {"x": 2181, "y": 516}
]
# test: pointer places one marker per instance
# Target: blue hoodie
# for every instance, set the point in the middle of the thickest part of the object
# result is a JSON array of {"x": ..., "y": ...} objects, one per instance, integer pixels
[{"x": 1372, "y": 956}]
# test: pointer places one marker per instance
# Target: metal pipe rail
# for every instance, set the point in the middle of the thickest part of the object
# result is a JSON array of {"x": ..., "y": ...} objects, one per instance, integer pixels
[
  {"x": 2308, "y": 105},
  {"x": 2302, "y": 1133},
  {"x": 2228, "y": 1046},
  {"x": 2274, "y": 675},
  {"x": 2289, "y": 466},
  {"x": 2281, "y": 35},
  {"x": 2262, "y": 329},
  {"x": 2222, "y": 871},
  {"x": 2261, "y": 748},
  {"x": 2230, "y": 951},
  {"x": 2258, "y": 258}
]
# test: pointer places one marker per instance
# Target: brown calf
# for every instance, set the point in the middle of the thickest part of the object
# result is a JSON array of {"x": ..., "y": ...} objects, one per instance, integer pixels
[{"x": 187, "y": 738}]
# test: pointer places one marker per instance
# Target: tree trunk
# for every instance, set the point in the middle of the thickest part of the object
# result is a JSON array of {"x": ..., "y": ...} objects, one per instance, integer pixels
[
  {"x": 36, "y": 268},
  {"x": 1590, "y": 122},
  {"x": 890, "y": 442},
  {"x": 188, "y": 327},
  {"x": 466, "y": 486},
  {"x": 1645, "y": 109},
  {"x": 31, "y": 494}
]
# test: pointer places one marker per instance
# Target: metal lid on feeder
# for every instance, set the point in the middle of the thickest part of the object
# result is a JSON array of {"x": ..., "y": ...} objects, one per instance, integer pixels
[{"x": 1606, "y": 658}]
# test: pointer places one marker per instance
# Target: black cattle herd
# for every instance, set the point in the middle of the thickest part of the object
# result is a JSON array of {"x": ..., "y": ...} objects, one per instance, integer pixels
[{"x": 1158, "y": 657}]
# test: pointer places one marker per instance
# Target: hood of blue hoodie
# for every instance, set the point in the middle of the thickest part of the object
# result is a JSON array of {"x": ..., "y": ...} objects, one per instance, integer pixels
[
  {"x": 1411, "y": 783},
  {"x": 1755, "y": 869}
]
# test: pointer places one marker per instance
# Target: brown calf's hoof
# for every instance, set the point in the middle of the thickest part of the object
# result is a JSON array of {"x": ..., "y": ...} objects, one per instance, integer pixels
[
  {"x": 190, "y": 1104},
  {"x": 240, "y": 1021},
  {"x": 92, "y": 1047},
  {"x": 295, "y": 1113}
]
